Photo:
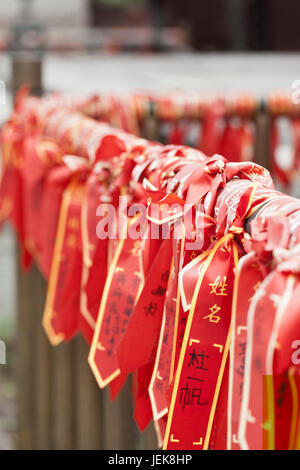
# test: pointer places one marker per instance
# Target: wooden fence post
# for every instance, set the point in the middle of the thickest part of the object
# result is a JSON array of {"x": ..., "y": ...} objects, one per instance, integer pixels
[
  {"x": 90, "y": 432},
  {"x": 63, "y": 397},
  {"x": 148, "y": 439},
  {"x": 121, "y": 432},
  {"x": 26, "y": 376},
  {"x": 43, "y": 373},
  {"x": 262, "y": 144}
]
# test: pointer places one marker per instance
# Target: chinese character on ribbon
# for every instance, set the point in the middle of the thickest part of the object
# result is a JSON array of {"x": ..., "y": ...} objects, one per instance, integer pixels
[
  {"x": 212, "y": 316},
  {"x": 218, "y": 287}
]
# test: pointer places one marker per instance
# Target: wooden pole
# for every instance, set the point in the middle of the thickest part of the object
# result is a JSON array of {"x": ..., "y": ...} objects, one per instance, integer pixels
[
  {"x": 26, "y": 373},
  {"x": 120, "y": 429},
  {"x": 63, "y": 397},
  {"x": 43, "y": 373},
  {"x": 27, "y": 70},
  {"x": 262, "y": 146},
  {"x": 148, "y": 439}
]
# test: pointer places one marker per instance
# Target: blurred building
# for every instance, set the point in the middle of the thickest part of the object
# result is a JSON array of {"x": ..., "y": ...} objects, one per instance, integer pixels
[
  {"x": 221, "y": 25},
  {"x": 217, "y": 25}
]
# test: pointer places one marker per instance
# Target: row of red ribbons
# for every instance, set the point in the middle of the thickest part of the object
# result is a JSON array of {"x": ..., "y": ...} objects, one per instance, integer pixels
[{"x": 197, "y": 299}]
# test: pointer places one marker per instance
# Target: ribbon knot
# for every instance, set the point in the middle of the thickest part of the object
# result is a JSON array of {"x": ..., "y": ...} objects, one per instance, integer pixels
[{"x": 287, "y": 260}]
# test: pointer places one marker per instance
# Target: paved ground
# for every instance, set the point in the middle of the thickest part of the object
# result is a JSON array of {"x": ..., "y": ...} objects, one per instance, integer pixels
[
  {"x": 7, "y": 328},
  {"x": 7, "y": 274},
  {"x": 7, "y": 305}
]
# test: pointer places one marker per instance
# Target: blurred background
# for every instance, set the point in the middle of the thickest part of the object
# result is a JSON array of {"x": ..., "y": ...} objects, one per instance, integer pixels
[{"x": 84, "y": 46}]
